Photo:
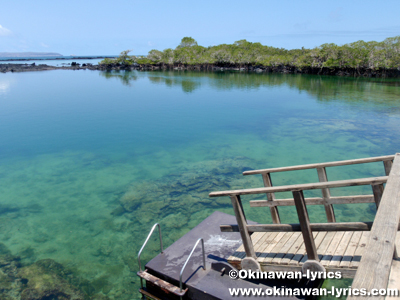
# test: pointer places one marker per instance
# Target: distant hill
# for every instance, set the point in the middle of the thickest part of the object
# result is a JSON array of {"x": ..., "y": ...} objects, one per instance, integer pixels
[{"x": 28, "y": 54}]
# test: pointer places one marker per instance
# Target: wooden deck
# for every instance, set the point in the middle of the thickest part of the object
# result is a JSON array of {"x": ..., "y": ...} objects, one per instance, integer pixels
[
  {"x": 277, "y": 251},
  {"x": 364, "y": 250}
]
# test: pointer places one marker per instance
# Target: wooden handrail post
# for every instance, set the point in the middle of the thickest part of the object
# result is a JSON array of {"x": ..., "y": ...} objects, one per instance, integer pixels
[
  {"x": 388, "y": 166},
  {"x": 305, "y": 225},
  {"x": 377, "y": 189},
  {"x": 326, "y": 194},
  {"x": 271, "y": 197},
  {"x": 242, "y": 224}
]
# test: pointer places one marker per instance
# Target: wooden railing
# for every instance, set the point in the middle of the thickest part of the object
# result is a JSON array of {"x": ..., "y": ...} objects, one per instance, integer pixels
[
  {"x": 377, "y": 184},
  {"x": 377, "y": 260},
  {"x": 326, "y": 199}
]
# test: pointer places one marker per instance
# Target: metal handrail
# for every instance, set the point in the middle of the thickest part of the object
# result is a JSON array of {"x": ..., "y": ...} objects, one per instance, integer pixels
[
  {"x": 190, "y": 255},
  {"x": 147, "y": 239}
]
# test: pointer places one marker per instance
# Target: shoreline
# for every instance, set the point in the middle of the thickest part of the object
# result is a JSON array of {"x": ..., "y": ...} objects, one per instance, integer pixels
[
  {"x": 54, "y": 58},
  {"x": 380, "y": 73}
]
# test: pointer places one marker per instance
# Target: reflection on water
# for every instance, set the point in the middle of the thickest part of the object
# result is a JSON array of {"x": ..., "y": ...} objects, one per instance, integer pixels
[
  {"x": 324, "y": 88},
  {"x": 88, "y": 165},
  {"x": 125, "y": 77},
  {"x": 5, "y": 84}
]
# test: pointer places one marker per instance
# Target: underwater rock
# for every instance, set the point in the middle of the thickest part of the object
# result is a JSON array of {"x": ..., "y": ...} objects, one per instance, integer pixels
[
  {"x": 10, "y": 284},
  {"x": 102, "y": 284},
  {"x": 119, "y": 211},
  {"x": 44, "y": 282},
  {"x": 174, "y": 198},
  {"x": 131, "y": 262},
  {"x": 171, "y": 220},
  {"x": 105, "y": 249},
  {"x": 99, "y": 297}
]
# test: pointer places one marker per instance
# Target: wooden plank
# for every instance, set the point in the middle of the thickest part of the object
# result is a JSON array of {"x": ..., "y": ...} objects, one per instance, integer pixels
[
  {"x": 340, "y": 250},
  {"x": 343, "y": 226},
  {"x": 377, "y": 189},
  {"x": 304, "y": 220},
  {"x": 374, "y": 268},
  {"x": 360, "y": 250},
  {"x": 241, "y": 220},
  {"x": 278, "y": 247},
  {"x": 332, "y": 248},
  {"x": 351, "y": 249},
  {"x": 259, "y": 237},
  {"x": 285, "y": 248},
  {"x": 161, "y": 283},
  {"x": 271, "y": 197},
  {"x": 269, "y": 246},
  {"x": 273, "y": 238},
  {"x": 397, "y": 246},
  {"x": 268, "y": 236},
  {"x": 322, "y": 165},
  {"x": 305, "y": 186},
  {"x": 326, "y": 194},
  {"x": 315, "y": 201},
  {"x": 256, "y": 238},
  {"x": 346, "y": 273},
  {"x": 240, "y": 252},
  {"x": 318, "y": 240},
  {"x": 394, "y": 277},
  {"x": 325, "y": 243},
  {"x": 301, "y": 252},
  {"x": 293, "y": 249}
]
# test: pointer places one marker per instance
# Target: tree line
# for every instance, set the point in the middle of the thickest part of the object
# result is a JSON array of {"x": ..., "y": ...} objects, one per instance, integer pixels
[{"x": 359, "y": 55}]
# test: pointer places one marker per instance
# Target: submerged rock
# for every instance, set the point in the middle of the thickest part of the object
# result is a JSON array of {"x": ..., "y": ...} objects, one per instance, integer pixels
[
  {"x": 10, "y": 285},
  {"x": 175, "y": 197},
  {"x": 44, "y": 282}
]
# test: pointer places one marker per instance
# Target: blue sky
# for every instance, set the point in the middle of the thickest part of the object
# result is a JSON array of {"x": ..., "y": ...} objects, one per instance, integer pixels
[{"x": 108, "y": 27}]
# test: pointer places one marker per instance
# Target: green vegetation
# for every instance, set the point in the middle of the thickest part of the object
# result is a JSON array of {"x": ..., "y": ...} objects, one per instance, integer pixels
[{"x": 359, "y": 55}]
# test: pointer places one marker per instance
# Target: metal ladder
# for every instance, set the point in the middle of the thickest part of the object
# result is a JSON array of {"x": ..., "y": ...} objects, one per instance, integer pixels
[{"x": 164, "y": 285}]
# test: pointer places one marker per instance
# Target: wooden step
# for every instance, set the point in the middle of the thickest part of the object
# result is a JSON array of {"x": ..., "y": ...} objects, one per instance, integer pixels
[
  {"x": 148, "y": 295},
  {"x": 164, "y": 285}
]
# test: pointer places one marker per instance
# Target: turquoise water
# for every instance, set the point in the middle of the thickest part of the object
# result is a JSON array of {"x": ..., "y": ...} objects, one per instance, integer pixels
[{"x": 89, "y": 161}]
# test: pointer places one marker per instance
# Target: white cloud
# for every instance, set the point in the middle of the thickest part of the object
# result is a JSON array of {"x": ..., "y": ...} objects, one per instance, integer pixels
[
  {"x": 44, "y": 45},
  {"x": 4, "y": 31}
]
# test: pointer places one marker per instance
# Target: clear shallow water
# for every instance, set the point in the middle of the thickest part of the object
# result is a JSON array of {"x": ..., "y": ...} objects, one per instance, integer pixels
[{"x": 89, "y": 161}]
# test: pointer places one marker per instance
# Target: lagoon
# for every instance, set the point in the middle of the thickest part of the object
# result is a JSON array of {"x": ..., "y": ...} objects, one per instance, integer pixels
[{"x": 90, "y": 160}]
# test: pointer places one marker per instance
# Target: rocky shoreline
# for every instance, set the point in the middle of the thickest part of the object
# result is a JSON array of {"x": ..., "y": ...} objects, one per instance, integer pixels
[
  {"x": 278, "y": 69},
  {"x": 55, "y": 58},
  {"x": 4, "y": 68}
]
